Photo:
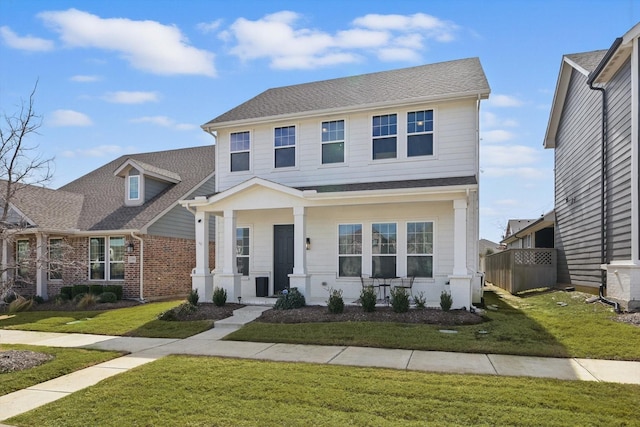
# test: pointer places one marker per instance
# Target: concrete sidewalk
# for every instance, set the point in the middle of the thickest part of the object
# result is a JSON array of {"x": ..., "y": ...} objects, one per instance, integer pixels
[{"x": 145, "y": 350}]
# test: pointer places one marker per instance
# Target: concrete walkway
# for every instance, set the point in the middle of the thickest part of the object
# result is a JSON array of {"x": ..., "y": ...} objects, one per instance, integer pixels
[{"x": 145, "y": 350}]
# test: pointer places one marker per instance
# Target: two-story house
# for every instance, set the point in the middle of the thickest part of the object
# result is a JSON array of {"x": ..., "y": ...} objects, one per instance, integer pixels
[
  {"x": 594, "y": 129},
  {"x": 321, "y": 183}
]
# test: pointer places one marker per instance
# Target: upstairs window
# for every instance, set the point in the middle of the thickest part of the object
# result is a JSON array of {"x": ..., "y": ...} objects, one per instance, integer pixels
[
  {"x": 240, "y": 147},
  {"x": 333, "y": 142},
  {"x": 420, "y": 133},
  {"x": 242, "y": 250},
  {"x": 285, "y": 146},
  {"x": 384, "y": 131},
  {"x": 383, "y": 249},
  {"x": 134, "y": 187}
]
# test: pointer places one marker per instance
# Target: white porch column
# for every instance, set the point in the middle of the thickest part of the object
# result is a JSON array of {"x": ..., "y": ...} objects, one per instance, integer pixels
[
  {"x": 229, "y": 279},
  {"x": 299, "y": 279},
  {"x": 201, "y": 278},
  {"x": 42, "y": 265},
  {"x": 460, "y": 280}
]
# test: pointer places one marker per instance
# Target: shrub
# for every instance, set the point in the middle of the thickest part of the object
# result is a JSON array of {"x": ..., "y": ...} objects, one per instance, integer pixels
[
  {"x": 38, "y": 299},
  {"x": 175, "y": 313},
  {"x": 420, "y": 300},
  {"x": 96, "y": 289},
  {"x": 87, "y": 300},
  {"x": 193, "y": 297},
  {"x": 20, "y": 304},
  {"x": 335, "y": 303},
  {"x": 289, "y": 299},
  {"x": 61, "y": 298},
  {"x": 368, "y": 299},
  {"x": 219, "y": 297},
  {"x": 445, "y": 301},
  {"x": 11, "y": 297},
  {"x": 116, "y": 289},
  {"x": 106, "y": 297},
  {"x": 79, "y": 290},
  {"x": 399, "y": 300},
  {"x": 67, "y": 291}
]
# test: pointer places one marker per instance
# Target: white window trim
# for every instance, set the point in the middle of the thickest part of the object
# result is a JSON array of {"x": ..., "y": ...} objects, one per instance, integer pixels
[
  {"x": 49, "y": 256},
  {"x": 17, "y": 253},
  {"x": 344, "y": 142},
  {"x": 399, "y": 128},
  {"x": 396, "y": 254},
  {"x": 131, "y": 178},
  {"x": 433, "y": 247},
  {"x": 250, "y": 249},
  {"x": 107, "y": 261},
  {"x": 337, "y": 247},
  {"x": 407, "y": 134},
  {"x": 296, "y": 146},
  {"x": 231, "y": 152}
]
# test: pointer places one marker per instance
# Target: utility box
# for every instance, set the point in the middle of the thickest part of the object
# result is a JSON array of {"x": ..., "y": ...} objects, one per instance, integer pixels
[{"x": 262, "y": 286}]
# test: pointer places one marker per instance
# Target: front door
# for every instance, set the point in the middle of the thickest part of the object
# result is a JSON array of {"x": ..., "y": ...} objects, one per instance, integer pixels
[{"x": 282, "y": 256}]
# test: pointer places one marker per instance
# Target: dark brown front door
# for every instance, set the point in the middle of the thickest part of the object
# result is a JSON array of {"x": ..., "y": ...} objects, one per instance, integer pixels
[{"x": 282, "y": 256}]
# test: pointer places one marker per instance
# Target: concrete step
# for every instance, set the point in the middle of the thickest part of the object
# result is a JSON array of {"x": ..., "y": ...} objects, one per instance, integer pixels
[{"x": 241, "y": 317}]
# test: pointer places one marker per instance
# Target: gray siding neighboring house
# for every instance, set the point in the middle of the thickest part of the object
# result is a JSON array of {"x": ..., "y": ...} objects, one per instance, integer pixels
[{"x": 597, "y": 231}]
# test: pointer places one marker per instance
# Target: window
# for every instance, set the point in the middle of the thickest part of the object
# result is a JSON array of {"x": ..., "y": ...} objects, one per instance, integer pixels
[
  {"x": 420, "y": 133},
  {"x": 420, "y": 249},
  {"x": 134, "y": 187},
  {"x": 22, "y": 258},
  {"x": 101, "y": 267},
  {"x": 285, "y": 146},
  {"x": 384, "y": 131},
  {"x": 333, "y": 142},
  {"x": 350, "y": 250},
  {"x": 242, "y": 250},
  {"x": 240, "y": 146},
  {"x": 55, "y": 259},
  {"x": 383, "y": 250}
]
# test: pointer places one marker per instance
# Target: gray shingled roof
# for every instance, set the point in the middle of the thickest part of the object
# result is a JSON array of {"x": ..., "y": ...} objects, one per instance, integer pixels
[
  {"x": 432, "y": 81},
  {"x": 103, "y": 192},
  {"x": 587, "y": 60},
  {"x": 156, "y": 170},
  {"x": 47, "y": 208},
  {"x": 391, "y": 185}
]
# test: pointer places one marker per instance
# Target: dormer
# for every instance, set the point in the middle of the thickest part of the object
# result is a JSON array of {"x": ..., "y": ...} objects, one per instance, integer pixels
[{"x": 142, "y": 181}]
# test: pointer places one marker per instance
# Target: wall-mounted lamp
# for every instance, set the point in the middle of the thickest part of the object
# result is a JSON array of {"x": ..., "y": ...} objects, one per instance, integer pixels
[
  {"x": 130, "y": 247},
  {"x": 308, "y": 245}
]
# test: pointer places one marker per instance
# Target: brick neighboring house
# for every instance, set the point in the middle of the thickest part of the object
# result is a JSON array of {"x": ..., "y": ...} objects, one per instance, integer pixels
[{"x": 121, "y": 224}]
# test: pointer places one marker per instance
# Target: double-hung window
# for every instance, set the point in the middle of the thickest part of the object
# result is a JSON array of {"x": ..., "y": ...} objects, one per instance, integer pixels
[
  {"x": 383, "y": 249},
  {"x": 240, "y": 148},
  {"x": 285, "y": 146},
  {"x": 101, "y": 266},
  {"x": 420, "y": 249},
  {"x": 55, "y": 259},
  {"x": 242, "y": 250},
  {"x": 22, "y": 259},
  {"x": 349, "y": 250},
  {"x": 420, "y": 133},
  {"x": 333, "y": 142},
  {"x": 384, "y": 131},
  {"x": 134, "y": 187}
]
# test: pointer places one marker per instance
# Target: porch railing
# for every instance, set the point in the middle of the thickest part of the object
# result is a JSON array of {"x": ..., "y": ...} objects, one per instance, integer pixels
[{"x": 516, "y": 270}]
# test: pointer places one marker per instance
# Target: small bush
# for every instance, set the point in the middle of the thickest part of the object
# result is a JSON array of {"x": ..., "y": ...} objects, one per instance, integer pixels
[
  {"x": 289, "y": 299},
  {"x": 368, "y": 299},
  {"x": 219, "y": 297},
  {"x": 20, "y": 304},
  {"x": 174, "y": 314},
  {"x": 193, "y": 297},
  {"x": 61, "y": 299},
  {"x": 38, "y": 299},
  {"x": 11, "y": 297},
  {"x": 399, "y": 300},
  {"x": 420, "y": 300},
  {"x": 67, "y": 291},
  {"x": 116, "y": 289},
  {"x": 96, "y": 289},
  {"x": 79, "y": 290},
  {"x": 107, "y": 297},
  {"x": 335, "y": 303},
  {"x": 445, "y": 301},
  {"x": 87, "y": 300}
]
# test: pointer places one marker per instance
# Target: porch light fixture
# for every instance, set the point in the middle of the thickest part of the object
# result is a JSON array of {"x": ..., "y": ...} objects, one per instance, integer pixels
[
  {"x": 308, "y": 245},
  {"x": 130, "y": 247}
]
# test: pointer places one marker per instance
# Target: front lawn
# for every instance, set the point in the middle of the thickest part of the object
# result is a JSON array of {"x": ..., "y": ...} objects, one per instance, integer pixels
[
  {"x": 66, "y": 360},
  {"x": 199, "y": 391},
  {"x": 552, "y": 324},
  {"x": 138, "y": 321}
]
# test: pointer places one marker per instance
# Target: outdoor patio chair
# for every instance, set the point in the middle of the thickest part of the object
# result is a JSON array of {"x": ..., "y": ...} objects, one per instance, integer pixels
[
  {"x": 407, "y": 284},
  {"x": 369, "y": 282}
]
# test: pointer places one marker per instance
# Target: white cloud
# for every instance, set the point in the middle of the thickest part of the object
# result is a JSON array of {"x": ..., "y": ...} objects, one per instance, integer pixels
[
  {"x": 30, "y": 43},
  {"x": 124, "y": 97},
  {"x": 496, "y": 135},
  {"x": 147, "y": 45},
  {"x": 99, "y": 151},
  {"x": 504, "y": 101},
  {"x": 85, "y": 79},
  {"x": 507, "y": 155},
  {"x": 492, "y": 120},
  {"x": 164, "y": 121},
  {"x": 60, "y": 118},
  {"x": 278, "y": 38},
  {"x": 209, "y": 27}
]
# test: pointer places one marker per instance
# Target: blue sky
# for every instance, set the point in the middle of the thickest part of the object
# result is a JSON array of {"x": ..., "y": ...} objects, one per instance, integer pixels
[{"x": 117, "y": 77}]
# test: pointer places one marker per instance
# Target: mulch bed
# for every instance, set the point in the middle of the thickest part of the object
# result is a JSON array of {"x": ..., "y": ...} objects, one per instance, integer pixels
[
  {"x": 210, "y": 312},
  {"x": 18, "y": 360},
  {"x": 312, "y": 313}
]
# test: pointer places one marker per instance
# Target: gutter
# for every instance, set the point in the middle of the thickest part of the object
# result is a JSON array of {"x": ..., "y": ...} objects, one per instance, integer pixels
[{"x": 141, "y": 276}]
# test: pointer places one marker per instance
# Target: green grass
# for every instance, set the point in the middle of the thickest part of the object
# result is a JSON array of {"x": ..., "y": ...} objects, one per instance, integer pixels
[
  {"x": 137, "y": 321},
  {"x": 66, "y": 360},
  {"x": 534, "y": 325},
  {"x": 199, "y": 391}
]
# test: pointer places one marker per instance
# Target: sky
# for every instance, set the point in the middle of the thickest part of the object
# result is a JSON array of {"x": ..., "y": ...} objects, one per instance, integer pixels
[{"x": 128, "y": 76}]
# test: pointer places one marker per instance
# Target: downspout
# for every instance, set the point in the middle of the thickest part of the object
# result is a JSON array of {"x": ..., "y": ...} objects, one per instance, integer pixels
[
  {"x": 603, "y": 172},
  {"x": 141, "y": 275}
]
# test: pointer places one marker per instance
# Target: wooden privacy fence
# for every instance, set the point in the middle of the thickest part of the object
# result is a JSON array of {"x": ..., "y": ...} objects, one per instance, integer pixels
[{"x": 516, "y": 270}]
